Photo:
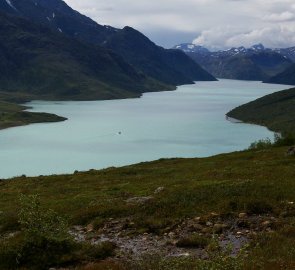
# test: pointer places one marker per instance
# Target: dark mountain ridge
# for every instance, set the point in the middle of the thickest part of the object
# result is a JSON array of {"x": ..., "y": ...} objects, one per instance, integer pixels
[
  {"x": 57, "y": 15},
  {"x": 285, "y": 77},
  {"x": 49, "y": 65},
  {"x": 171, "y": 67}
]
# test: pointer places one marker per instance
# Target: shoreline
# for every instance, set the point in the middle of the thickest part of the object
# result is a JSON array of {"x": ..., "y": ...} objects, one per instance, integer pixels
[{"x": 118, "y": 164}]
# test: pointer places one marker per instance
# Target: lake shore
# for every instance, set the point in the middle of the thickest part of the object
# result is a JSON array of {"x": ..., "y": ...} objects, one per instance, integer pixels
[
  {"x": 189, "y": 122},
  {"x": 13, "y": 115},
  {"x": 186, "y": 210}
]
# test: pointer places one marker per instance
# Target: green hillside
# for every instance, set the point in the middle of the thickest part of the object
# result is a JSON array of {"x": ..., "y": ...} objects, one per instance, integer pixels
[
  {"x": 12, "y": 115},
  {"x": 185, "y": 205},
  {"x": 275, "y": 111}
]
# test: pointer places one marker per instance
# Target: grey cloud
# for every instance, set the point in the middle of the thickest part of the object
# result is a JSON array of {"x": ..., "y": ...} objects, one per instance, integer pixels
[
  {"x": 219, "y": 22},
  {"x": 280, "y": 17}
]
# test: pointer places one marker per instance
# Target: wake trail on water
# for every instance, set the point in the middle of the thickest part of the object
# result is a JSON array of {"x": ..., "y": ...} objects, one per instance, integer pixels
[{"x": 119, "y": 133}]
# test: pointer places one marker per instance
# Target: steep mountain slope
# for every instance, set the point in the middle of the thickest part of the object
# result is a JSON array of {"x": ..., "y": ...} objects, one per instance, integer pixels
[
  {"x": 286, "y": 77},
  {"x": 287, "y": 52},
  {"x": 169, "y": 66},
  {"x": 38, "y": 61},
  {"x": 57, "y": 15},
  {"x": 230, "y": 67},
  {"x": 276, "y": 111},
  {"x": 255, "y": 63}
]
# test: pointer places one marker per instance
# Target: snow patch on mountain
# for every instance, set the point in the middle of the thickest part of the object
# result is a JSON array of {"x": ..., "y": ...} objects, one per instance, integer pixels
[{"x": 10, "y": 4}]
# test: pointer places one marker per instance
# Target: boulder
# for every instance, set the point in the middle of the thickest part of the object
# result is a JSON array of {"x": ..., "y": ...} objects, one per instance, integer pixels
[
  {"x": 242, "y": 215},
  {"x": 266, "y": 224},
  {"x": 90, "y": 228},
  {"x": 291, "y": 151},
  {"x": 159, "y": 190},
  {"x": 139, "y": 200}
]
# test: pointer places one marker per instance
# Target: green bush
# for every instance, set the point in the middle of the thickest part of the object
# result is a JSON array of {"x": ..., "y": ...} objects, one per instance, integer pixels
[
  {"x": 279, "y": 140},
  {"x": 261, "y": 144},
  {"x": 38, "y": 223},
  {"x": 283, "y": 140},
  {"x": 44, "y": 241},
  {"x": 98, "y": 252}
]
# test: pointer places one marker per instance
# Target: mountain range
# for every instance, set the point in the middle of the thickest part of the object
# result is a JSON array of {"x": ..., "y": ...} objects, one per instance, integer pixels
[
  {"x": 255, "y": 63},
  {"x": 49, "y": 50}
]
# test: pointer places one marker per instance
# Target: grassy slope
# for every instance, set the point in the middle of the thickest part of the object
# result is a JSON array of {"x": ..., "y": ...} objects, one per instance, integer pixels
[
  {"x": 12, "y": 115},
  {"x": 193, "y": 187},
  {"x": 276, "y": 111}
]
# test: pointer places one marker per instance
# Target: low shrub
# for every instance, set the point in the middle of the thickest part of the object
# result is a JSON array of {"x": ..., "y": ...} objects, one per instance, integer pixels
[
  {"x": 261, "y": 144},
  {"x": 283, "y": 140},
  {"x": 99, "y": 251},
  {"x": 279, "y": 141},
  {"x": 258, "y": 207},
  {"x": 44, "y": 241},
  {"x": 194, "y": 241}
]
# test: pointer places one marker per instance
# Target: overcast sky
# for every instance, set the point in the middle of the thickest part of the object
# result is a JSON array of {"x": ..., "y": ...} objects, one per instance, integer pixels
[{"x": 216, "y": 24}]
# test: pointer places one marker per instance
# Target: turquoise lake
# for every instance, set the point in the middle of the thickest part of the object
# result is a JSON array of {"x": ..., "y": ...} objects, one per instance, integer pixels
[{"x": 188, "y": 122}]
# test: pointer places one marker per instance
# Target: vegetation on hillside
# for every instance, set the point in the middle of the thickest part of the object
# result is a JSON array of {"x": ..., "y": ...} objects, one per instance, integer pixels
[
  {"x": 247, "y": 194},
  {"x": 12, "y": 115},
  {"x": 275, "y": 111}
]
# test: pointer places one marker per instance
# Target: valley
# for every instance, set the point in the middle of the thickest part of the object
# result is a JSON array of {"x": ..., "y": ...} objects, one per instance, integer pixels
[
  {"x": 118, "y": 153},
  {"x": 188, "y": 122}
]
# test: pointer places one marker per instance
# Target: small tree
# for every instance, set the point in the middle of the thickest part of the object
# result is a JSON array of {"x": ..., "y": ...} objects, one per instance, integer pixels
[
  {"x": 46, "y": 238},
  {"x": 37, "y": 222}
]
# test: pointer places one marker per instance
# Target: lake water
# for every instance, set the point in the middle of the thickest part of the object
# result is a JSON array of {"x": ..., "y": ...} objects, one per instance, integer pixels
[{"x": 188, "y": 122}]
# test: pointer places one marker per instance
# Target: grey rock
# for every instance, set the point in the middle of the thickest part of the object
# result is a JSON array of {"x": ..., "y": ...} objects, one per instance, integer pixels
[
  {"x": 291, "y": 151},
  {"x": 159, "y": 190},
  {"x": 139, "y": 200}
]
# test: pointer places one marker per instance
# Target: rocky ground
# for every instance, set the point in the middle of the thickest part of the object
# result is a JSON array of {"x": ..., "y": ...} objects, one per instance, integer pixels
[{"x": 234, "y": 232}]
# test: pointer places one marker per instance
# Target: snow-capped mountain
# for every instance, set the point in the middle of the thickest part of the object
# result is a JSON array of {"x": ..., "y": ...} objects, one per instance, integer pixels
[
  {"x": 188, "y": 47},
  {"x": 254, "y": 63},
  {"x": 192, "y": 48},
  {"x": 287, "y": 52}
]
